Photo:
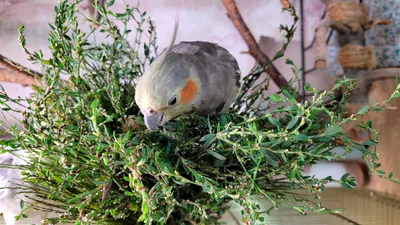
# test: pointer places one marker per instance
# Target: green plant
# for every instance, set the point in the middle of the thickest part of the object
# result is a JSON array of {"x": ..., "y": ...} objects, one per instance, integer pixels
[{"x": 89, "y": 151}]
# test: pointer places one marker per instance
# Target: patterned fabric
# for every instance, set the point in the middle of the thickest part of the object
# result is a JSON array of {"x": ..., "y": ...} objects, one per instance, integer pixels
[{"x": 385, "y": 38}]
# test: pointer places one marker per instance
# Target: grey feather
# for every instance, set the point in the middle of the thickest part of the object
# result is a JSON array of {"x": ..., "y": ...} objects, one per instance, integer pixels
[{"x": 211, "y": 49}]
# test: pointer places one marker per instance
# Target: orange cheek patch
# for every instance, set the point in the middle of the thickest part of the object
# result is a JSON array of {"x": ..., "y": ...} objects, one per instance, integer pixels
[{"x": 188, "y": 92}]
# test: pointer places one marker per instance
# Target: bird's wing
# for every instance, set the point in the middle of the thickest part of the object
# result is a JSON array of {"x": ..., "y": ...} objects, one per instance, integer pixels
[{"x": 211, "y": 50}]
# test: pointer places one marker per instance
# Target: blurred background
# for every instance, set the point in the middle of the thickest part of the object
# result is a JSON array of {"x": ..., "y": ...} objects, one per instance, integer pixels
[{"x": 206, "y": 20}]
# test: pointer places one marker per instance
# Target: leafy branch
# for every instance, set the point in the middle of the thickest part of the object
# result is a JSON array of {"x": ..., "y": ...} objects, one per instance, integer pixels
[{"x": 89, "y": 151}]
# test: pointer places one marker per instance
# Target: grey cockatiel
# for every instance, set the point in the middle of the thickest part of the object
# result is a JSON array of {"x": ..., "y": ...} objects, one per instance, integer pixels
[{"x": 198, "y": 77}]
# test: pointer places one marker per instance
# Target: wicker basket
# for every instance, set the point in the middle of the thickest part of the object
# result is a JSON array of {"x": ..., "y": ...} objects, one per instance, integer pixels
[
  {"x": 352, "y": 14},
  {"x": 356, "y": 57}
]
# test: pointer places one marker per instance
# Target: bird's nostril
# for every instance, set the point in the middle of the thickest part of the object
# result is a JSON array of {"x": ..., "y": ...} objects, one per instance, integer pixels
[{"x": 151, "y": 111}]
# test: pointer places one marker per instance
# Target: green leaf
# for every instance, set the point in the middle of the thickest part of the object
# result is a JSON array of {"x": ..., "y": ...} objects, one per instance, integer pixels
[
  {"x": 133, "y": 206},
  {"x": 110, "y": 3},
  {"x": 363, "y": 110},
  {"x": 128, "y": 193},
  {"x": 278, "y": 55},
  {"x": 45, "y": 62},
  {"x": 274, "y": 121},
  {"x": 301, "y": 137},
  {"x": 369, "y": 123},
  {"x": 146, "y": 50},
  {"x": 289, "y": 62},
  {"x": 360, "y": 148},
  {"x": 21, "y": 204},
  {"x": 162, "y": 162},
  {"x": 293, "y": 122},
  {"x": 308, "y": 87},
  {"x": 95, "y": 104},
  {"x": 208, "y": 139},
  {"x": 291, "y": 108},
  {"x": 345, "y": 176},
  {"x": 380, "y": 172},
  {"x": 216, "y": 155},
  {"x": 275, "y": 98},
  {"x": 289, "y": 96},
  {"x": 345, "y": 185},
  {"x": 271, "y": 158},
  {"x": 315, "y": 127},
  {"x": 332, "y": 130},
  {"x": 352, "y": 183},
  {"x": 286, "y": 144},
  {"x": 369, "y": 143}
]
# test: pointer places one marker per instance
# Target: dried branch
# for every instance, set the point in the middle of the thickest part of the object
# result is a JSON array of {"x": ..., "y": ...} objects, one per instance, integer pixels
[
  {"x": 254, "y": 48},
  {"x": 17, "y": 77},
  {"x": 16, "y": 73},
  {"x": 16, "y": 67}
]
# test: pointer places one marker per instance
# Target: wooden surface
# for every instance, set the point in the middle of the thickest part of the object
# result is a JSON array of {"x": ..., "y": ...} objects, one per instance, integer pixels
[{"x": 387, "y": 122}]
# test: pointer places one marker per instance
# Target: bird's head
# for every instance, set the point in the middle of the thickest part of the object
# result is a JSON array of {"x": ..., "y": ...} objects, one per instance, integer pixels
[{"x": 167, "y": 90}]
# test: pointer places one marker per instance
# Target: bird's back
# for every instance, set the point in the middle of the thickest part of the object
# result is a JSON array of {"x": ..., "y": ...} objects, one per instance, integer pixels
[
  {"x": 211, "y": 51},
  {"x": 218, "y": 70}
]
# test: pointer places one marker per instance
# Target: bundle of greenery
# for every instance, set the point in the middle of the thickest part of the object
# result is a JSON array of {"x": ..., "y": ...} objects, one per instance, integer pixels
[{"x": 90, "y": 158}]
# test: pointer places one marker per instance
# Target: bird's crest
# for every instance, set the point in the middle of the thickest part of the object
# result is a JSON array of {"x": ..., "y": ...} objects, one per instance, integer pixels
[
  {"x": 171, "y": 44},
  {"x": 157, "y": 63}
]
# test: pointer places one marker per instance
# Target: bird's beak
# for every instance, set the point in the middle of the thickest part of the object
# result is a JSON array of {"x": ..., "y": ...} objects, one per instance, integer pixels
[{"x": 155, "y": 120}]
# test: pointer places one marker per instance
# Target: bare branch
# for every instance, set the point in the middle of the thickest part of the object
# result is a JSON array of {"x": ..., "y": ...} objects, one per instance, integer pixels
[
  {"x": 16, "y": 73},
  {"x": 16, "y": 67},
  {"x": 254, "y": 48},
  {"x": 17, "y": 77}
]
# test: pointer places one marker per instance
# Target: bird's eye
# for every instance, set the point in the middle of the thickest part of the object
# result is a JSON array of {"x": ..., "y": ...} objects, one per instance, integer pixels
[{"x": 172, "y": 101}]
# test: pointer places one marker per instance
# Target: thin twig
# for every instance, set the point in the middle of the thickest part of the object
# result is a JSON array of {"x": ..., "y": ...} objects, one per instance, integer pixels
[{"x": 254, "y": 48}]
